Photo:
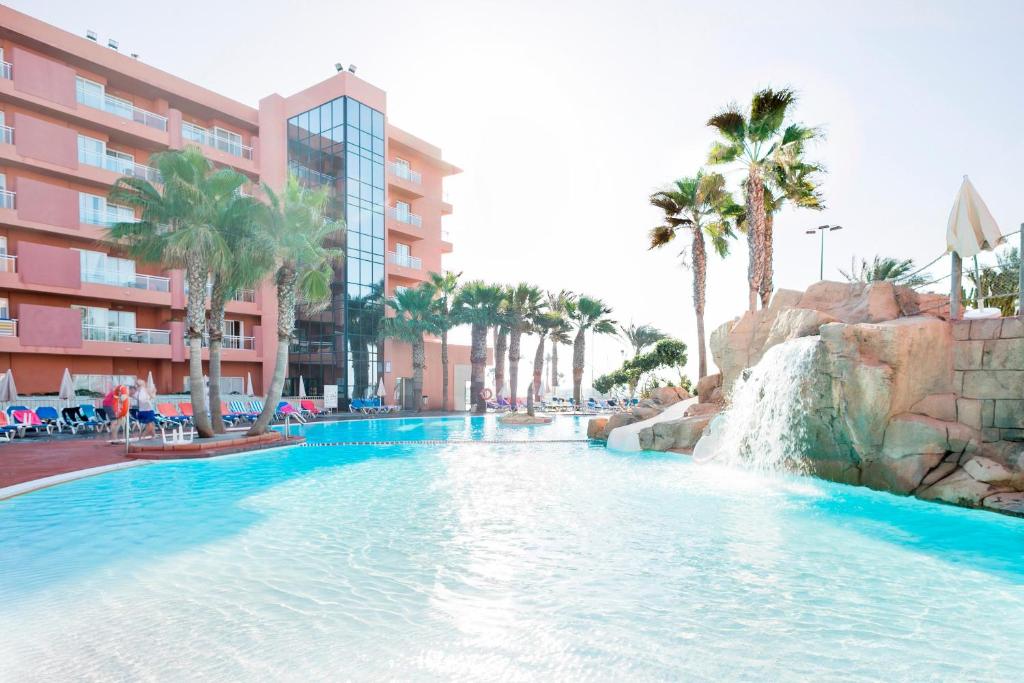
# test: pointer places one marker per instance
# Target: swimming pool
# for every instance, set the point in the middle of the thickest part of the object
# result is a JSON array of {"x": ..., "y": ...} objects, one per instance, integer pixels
[{"x": 555, "y": 561}]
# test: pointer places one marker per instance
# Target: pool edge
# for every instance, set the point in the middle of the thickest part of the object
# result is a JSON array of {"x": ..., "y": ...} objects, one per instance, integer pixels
[{"x": 31, "y": 485}]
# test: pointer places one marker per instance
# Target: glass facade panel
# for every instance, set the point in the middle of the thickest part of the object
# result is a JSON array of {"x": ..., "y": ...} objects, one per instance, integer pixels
[{"x": 339, "y": 144}]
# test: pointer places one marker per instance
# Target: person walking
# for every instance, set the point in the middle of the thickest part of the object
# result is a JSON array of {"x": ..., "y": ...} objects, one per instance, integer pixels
[{"x": 146, "y": 414}]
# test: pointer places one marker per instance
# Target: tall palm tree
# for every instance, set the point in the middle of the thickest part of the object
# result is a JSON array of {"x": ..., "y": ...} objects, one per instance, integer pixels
[
  {"x": 177, "y": 229},
  {"x": 702, "y": 207},
  {"x": 296, "y": 229},
  {"x": 500, "y": 349},
  {"x": 640, "y": 336},
  {"x": 586, "y": 313},
  {"x": 768, "y": 150},
  {"x": 542, "y": 323},
  {"x": 248, "y": 263},
  {"x": 557, "y": 303},
  {"x": 445, "y": 287},
  {"x": 478, "y": 305},
  {"x": 523, "y": 303},
  {"x": 413, "y": 317}
]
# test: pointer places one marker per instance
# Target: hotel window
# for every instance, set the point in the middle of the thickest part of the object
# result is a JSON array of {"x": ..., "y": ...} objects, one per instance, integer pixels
[
  {"x": 106, "y": 270},
  {"x": 5, "y": 309},
  {"x": 402, "y": 211},
  {"x": 402, "y": 251},
  {"x": 93, "y": 94},
  {"x": 6, "y": 264},
  {"x": 101, "y": 324},
  {"x": 95, "y": 153}
]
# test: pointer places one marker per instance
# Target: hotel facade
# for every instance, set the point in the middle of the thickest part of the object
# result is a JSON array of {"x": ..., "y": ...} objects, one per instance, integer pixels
[{"x": 75, "y": 115}]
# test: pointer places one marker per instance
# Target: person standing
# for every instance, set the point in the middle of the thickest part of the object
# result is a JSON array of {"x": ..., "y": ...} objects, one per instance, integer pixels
[{"x": 146, "y": 414}]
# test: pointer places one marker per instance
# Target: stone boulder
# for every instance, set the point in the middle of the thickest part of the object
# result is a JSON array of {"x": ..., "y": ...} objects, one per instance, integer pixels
[
  {"x": 706, "y": 386},
  {"x": 614, "y": 421},
  {"x": 596, "y": 426},
  {"x": 853, "y": 302},
  {"x": 795, "y": 323},
  {"x": 681, "y": 434},
  {"x": 702, "y": 409}
]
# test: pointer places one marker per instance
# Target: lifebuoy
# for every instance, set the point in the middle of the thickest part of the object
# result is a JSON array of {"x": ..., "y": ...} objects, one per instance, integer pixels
[
  {"x": 122, "y": 401},
  {"x": 486, "y": 394}
]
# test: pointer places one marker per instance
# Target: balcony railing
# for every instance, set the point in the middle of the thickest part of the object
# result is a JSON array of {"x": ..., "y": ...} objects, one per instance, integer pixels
[
  {"x": 6, "y": 199},
  {"x": 6, "y": 70},
  {"x": 405, "y": 260},
  {"x": 9, "y": 327},
  {"x": 107, "y": 218},
  {"x": 150, "y": 283},
  {"x": 309, "y": 176},
  {"x": 232, "y": 341},
  {"x": 212, "y": 139},
  {"x": 125, "y": 335},
  {"x": 8, "y": 263},
  {"x": 245, "y": 295},
  {"x": 403, "y": 216},
  {"x": 118, "y": 165},
  {"x": 306, "y": 346},
  {"x": 405, "y": 173},
  {"x": 6, "y": 135},
  {"x": 125, "y": 110}
]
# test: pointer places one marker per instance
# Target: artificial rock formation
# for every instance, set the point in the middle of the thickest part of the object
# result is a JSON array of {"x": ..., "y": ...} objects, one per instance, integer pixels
[
  {"x": 899, "y": 398},
  {"x": 661, "y": 398}
]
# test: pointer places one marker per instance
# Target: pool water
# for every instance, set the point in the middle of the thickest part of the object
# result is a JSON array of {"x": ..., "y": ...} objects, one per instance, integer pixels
[{"x": 511, "y": 561}]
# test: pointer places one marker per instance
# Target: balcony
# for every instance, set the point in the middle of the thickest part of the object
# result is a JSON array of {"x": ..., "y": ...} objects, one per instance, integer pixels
[
  {"x": 6, "y": 199},
  {"x": 405, "y": 260},
  {"x": 150, "y": 283},
  {"x": 404, "y": 216},
  {"x": 118, "y": 165},
  {"x": 9, "y": 327},
  {"x": 105, "y": 218},
  {"x": 125, "y": 335},
  {"x": 8, "y": 263},
  {"x": 6, "y": 70},
  {"x": 231, "y": 341},
  {"x": 247, "y": 296},
  {"x": 223, "y": 143},
  {"x": 118, "y": 107},
  {"x": 404, "y": 172},
  {"x": 6, "y": 135}
]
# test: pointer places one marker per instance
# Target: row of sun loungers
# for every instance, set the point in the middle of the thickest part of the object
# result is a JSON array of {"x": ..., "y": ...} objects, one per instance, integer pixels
[{"x": 371, "y": 406}]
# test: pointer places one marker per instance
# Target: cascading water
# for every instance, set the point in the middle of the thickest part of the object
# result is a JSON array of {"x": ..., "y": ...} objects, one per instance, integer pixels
[{"x": 764, "y": 427}]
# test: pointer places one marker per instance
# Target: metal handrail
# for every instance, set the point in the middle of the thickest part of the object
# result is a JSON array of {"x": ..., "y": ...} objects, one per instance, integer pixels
[
  {"x": 8, "y": 263},
  {"x": 405, "y": 217},
  {"x": 405, "y": 173},
  {"x": 152, "y": 283},
  {"x": 125, "y": 110},
  {"x": 108, "y": 217},
  {"x": 125, "y": 335},
  {"x": 414, "y": 262},
  {"x": 7, "y": 135},
  {"x": 6, "y": 199},
  {"x": 119, "y": 165},
  {"x": 9, "y": 327},
  {"x": 233, "y": 341},
  {"x": 210, "y": 138}
]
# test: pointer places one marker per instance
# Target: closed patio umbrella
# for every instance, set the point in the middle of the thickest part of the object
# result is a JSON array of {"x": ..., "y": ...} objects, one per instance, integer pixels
[
  {"x": 971, "y": 229},
  {"x": 8, "y": 391},
  {"x": 302, "y": 387},
  {"x": 381, "y": 389},
  {"x": 67, "y": 387},
  {"x": 151, "y": 386},
  {"x": 248, "y": 384}
]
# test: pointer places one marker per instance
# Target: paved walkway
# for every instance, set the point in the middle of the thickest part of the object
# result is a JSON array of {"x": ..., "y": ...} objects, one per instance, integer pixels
[{"x": 31, "y": 458}]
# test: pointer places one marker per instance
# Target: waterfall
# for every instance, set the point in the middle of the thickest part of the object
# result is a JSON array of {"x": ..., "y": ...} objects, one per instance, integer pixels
[{"x": 764, "y": 427}]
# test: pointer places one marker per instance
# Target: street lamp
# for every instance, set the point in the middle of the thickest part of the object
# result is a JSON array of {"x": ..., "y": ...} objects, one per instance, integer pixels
[{"x": 823, "y": 229}]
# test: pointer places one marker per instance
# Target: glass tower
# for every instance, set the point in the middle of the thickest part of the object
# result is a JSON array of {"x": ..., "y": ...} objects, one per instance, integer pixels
[{"x": 340, "y": 144}]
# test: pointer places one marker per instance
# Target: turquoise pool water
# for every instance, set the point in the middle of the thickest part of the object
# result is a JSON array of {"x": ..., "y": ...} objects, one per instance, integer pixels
[{"x": 513, "y": 561}]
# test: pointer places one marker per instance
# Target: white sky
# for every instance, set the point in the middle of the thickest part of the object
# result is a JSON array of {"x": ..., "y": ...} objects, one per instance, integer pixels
[{"x": 566, "y": 115}]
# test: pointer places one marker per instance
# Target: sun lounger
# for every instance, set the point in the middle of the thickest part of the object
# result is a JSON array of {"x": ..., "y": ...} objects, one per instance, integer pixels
[
  {"x": 7, "y": 430},
  {"x": 28, "y": 419},
  {"x": 242, "y": 412},
  {"x": 93, "y": 414},
  {"x": 309, "y": 408}
]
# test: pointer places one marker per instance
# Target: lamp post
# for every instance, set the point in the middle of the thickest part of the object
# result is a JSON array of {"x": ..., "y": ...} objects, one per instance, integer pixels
[{"x": 823, "y": 229}]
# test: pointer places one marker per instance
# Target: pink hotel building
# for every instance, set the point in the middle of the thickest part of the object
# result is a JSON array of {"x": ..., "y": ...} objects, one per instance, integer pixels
[{"x": 76, "y": 115}]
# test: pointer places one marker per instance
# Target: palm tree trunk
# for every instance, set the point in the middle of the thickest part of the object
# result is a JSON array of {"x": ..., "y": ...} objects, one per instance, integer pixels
[
  {"x": 515, "y": 337},
  {"x": 554, "y": 366},
  {"x": 699, "y": 259},
  {"x": 217, "y": 301},
  {"x": 538, "y": 368},
  {"x": 287, "y": 281},
  {"x": 195, "y": 315},
  {"x": 578, "y": 355},
  {"x": 755, "y": 234},
  {"x": 500, "y": 349},
  {"x": 444, "y": 370},
  {"x": 478, "y": 361},
  {"x": 418, "y": 363},
  {"x": 767, "y": 285}
]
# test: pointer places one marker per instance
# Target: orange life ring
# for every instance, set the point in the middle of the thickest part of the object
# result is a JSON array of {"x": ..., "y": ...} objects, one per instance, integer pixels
[
  {"x": 486, "y": 394},
  {"x": 122, "y": 401}
]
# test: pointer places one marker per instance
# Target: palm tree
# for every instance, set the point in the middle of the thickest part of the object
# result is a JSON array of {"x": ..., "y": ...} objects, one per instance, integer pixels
[
  {"x": 760, "y": 144},
  {"x": 500, "y": 349},
  {"x": 543, "y": 323},
  {"x": 248, "y": 263},
  {"x": 640, "y": 336},
  {"x": 177, "y": 228},
  {"x": 898, "y": 271},
  {"x": 703, "y": 207},
  {"x": 445, "y": 286},
  {"x": 586, "y": 313},
  {"x": 478, "y": 304},
  {"x": 796, "y": 183},
  {"x": 556, "y": 303},
  {"x": 414, "y": 317},
  {"x": 523, "y": 303},
  {"x": 296, "y": 228}
]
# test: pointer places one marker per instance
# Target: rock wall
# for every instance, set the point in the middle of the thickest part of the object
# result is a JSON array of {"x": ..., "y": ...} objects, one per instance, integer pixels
[{"x": 900, "y": 399}]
